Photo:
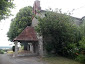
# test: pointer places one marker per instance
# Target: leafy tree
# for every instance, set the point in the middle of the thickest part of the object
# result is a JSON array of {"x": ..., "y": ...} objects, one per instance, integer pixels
[
  {"x": 22, "y": 19},
  {"x": 81, "y": 47},
  {"x": 58, "y": 31},
  {"x": 5, "y": 6}
]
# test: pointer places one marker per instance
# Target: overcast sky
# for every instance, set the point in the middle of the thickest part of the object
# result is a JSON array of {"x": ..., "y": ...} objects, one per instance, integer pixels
[{"x": 65, "y": 5}]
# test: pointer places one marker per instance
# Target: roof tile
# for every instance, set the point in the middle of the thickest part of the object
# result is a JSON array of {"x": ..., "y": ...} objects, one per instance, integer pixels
[{"x": 28, "y": 34}]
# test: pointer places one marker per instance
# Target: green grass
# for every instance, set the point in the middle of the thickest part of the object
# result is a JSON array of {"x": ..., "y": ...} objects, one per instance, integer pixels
[{"x": 59, "y": 60}]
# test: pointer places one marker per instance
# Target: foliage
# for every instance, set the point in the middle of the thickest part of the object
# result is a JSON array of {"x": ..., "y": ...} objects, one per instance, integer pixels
[
  {"x": 81, "y": 47},
  {"x": 58, "y": 31},
  {"x": 62, "y": 36},
  {"x": 1, "y": 51},
  {"x": 22, "y": 20},
  {"x": 81, "y": 58},
  {"x": 5, "y": 6},
  {"x": 81, "y": 51}
]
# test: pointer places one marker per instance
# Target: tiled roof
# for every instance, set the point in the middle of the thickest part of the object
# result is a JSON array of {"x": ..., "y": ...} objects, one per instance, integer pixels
[{"x": 28, "y": 34}]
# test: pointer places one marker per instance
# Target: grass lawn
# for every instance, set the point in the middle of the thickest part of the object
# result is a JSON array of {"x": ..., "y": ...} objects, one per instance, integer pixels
[{"x": 59, "y": 60}]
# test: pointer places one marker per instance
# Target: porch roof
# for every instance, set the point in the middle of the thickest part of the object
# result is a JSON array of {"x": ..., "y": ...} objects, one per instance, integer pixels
[{"x": 28, "y": 34}]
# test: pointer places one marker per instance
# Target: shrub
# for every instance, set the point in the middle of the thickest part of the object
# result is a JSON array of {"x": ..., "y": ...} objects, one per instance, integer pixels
[
  {"x": 81, "y": 53},
  {"x": 81, "y": 58},
  {"x": 1, "y": 52},
  {"x": 71, "y": 50}
]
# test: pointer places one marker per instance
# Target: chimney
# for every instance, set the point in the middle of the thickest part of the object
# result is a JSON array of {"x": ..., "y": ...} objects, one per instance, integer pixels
[{"x": 36, "y": 6}]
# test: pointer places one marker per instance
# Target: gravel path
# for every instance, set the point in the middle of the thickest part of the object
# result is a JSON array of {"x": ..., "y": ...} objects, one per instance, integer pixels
[{"x": 6, "y": 59}]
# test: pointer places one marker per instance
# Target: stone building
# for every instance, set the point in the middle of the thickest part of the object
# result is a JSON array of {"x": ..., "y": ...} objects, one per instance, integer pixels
[
  {"x": 37, "y": 7},
  {"x": 33, "y": 41}
]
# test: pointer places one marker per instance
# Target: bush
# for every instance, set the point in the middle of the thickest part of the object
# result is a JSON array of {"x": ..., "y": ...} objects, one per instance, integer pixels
[
  {"x": 81, "y": 58},
  {"x": 81, "y": 53},
  {"x": 72, "y": 50},
  {"x": 1, "y": 52},
  {"x": 63, "y": 36}
]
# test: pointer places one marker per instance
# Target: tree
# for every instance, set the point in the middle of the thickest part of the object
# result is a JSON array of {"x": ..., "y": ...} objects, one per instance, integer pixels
[
  {"x": 5, "y": 6},
  {"x": 58, "y": 31},
  {"x": 22, "y": 20},
  {"x": 81, "y": 47}
]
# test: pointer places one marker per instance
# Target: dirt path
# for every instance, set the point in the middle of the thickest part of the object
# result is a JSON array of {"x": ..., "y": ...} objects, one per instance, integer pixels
[{"x": 6, "y": 59}]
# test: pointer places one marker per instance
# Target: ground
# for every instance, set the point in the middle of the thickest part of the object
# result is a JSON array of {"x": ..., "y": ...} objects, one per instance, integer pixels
[
  {"x": 7, "y": 59},
  {"x": 60, "y": 60}
]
